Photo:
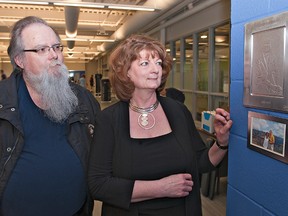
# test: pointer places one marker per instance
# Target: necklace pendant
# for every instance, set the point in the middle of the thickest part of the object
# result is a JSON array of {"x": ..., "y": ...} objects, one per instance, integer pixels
[
  {"x": 145, "y": 115},
  {"x": 144, "y": 119}
]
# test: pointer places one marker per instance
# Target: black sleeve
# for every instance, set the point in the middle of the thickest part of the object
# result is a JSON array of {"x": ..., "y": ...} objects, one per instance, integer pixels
[{"x": 102, "y": 184}]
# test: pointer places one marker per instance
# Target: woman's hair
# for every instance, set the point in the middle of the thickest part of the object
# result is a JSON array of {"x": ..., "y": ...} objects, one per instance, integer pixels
[
  {"x": 16, "y": 45},
  {"x": 128, "y": 51}
]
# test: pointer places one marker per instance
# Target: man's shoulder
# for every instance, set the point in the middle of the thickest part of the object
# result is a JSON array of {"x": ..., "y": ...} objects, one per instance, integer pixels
[{"x": 84, "y": 95}]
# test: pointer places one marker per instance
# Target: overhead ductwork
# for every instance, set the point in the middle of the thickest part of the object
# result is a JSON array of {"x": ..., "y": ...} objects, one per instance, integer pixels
[
  {"x": 71, "y": 20},
  {"x": 134, "y": 24},
  {"x": 138, "y": 21},
  {"x": 70, "y": 44}
]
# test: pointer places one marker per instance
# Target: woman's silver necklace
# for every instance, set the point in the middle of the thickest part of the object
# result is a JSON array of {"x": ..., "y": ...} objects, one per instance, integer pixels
[{"x": 145, "y": 115}]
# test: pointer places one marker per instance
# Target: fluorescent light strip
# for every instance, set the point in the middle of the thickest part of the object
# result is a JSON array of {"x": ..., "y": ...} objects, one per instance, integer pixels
[
  {"x": 73, "y": 52},
  {"x": 99, "y": 5},
  {"x": 88, "y": 40},
  {"x": 101, "y": 40},
  {"x": 25, "y": 2},
  {"x": 91, "y": 53},
  {"x": 74, "y": 39},
  {"x": 77, "y": 62},
  {"x": 89, "y": 58},
  {"x": 124, "y": 7},
  {"x": 83, "y": 4},
  {"x": 78, "y": 4}
]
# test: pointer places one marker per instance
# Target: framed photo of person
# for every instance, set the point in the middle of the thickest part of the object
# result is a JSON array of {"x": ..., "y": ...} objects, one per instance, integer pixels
[
  {"x": 265, "y": 64},
  {"x": 267, "y": 135}
]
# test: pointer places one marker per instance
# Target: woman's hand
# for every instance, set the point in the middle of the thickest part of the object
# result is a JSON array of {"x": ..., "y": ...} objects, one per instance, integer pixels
[
  {"x": 222, "y": 125},
  {"x": 178, "y": 185}
]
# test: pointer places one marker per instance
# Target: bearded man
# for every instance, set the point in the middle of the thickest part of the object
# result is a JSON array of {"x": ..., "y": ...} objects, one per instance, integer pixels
[{"x": 46, "y": 128}]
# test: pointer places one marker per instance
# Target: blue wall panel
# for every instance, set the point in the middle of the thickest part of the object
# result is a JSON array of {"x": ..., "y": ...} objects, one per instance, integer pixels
[
  {"x": 257, "y": 184},
  {"x": 237, "y": 58},
  {"x": 239, "y": 204},
  {"x": 238, "y": 111},
  {"x": 242, "y": 10}
]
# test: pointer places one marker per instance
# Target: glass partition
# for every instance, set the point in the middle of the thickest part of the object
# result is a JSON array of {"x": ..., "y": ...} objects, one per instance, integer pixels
[
  {"x": 176, "y": 67},
  {"x": 222, "y": 54},
  {"x": 188, "y": 64},
  {"x": 203, "y": 64}
]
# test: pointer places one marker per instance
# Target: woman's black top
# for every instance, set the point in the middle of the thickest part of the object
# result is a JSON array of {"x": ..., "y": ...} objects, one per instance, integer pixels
[{"x": 117, "y": 160}]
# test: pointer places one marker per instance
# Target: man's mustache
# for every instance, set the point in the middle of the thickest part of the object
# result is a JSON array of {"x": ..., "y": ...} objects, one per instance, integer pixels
[{"x": 55, "y": 62}]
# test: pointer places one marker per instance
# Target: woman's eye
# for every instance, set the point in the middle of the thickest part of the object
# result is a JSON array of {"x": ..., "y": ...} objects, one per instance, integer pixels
[
  {"x": 159, "y": 63},
  {"x": 144, "y": 63}
]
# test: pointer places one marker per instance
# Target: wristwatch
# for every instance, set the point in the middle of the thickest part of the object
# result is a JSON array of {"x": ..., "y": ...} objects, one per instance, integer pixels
[{"x": 220, "y": 146}]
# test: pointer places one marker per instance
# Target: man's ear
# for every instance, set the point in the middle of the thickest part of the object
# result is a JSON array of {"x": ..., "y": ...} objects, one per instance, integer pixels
[{"x": 19, "y": 61}]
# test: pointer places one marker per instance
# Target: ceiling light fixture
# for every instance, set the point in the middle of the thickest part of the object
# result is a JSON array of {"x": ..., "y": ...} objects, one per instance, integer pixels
[
  {"x": 72, "y": 57},
  {"x": 78, "y": 4},
  {"x": 82, "y": 4},
  {"x": 74, "y": 39},
  {"x": 101, "y": 40},
  {"x": 25, "y": 2},
  {"x": 87, "y": 40},
  {"x": 71, "y": 35},
  {"x": 89, "y": 58},
  {"x": 73, "y": 52},
  {"x": 91, "y": 53},
  {"x": 220, "y": 39},
  {"x": 123, "y": 7}
]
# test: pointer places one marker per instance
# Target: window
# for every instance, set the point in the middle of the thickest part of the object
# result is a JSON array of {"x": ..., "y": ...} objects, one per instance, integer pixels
[
  {"x": 204, "y": 78},
  {"x": 203, "y": 64},
  {"x": 175, "y": 53},
  {"x": 188, "y": 71},
  {"x": 169, "y": 79},
  {"x": 188, "y": 64},
  {"x": 220, "y": 77}
]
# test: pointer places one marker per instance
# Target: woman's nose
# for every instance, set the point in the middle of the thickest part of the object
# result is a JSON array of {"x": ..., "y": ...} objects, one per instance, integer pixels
[{"x": 156, "y": 67}]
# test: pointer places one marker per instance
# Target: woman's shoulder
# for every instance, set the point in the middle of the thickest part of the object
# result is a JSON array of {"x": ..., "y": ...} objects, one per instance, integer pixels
[
  {"x": 116, "y": 108},
  {"x": 171, "y": 103}
]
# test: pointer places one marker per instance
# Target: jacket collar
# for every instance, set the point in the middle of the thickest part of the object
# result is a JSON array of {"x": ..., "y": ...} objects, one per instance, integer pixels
[
  {"x": 9, "y": 100},
  {"x": 8, "y": 89}
]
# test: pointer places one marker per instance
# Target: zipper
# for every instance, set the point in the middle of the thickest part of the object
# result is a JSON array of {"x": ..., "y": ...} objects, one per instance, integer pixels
[{"x": 17, "y": 140}]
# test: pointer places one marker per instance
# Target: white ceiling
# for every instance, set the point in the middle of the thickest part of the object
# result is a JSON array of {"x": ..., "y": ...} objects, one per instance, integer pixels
[{"x": 92, "y": 23}]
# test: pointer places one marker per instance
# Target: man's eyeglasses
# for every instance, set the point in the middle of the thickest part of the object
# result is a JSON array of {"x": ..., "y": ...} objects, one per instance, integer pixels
[{"x": 45, "y": 50}]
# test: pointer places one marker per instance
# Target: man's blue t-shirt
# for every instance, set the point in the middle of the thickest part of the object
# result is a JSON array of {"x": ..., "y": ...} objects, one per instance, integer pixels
[{"x": 48, "y": 178}]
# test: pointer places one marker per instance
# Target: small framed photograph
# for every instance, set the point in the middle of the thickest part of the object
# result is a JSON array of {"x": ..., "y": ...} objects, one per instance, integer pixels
[
  {"x": 265, "y": 65},
  {"x": 267, "y": 135}
]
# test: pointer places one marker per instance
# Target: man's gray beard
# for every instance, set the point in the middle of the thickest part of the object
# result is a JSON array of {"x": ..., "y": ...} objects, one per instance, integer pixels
[{"x": 56, "y": 94}]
